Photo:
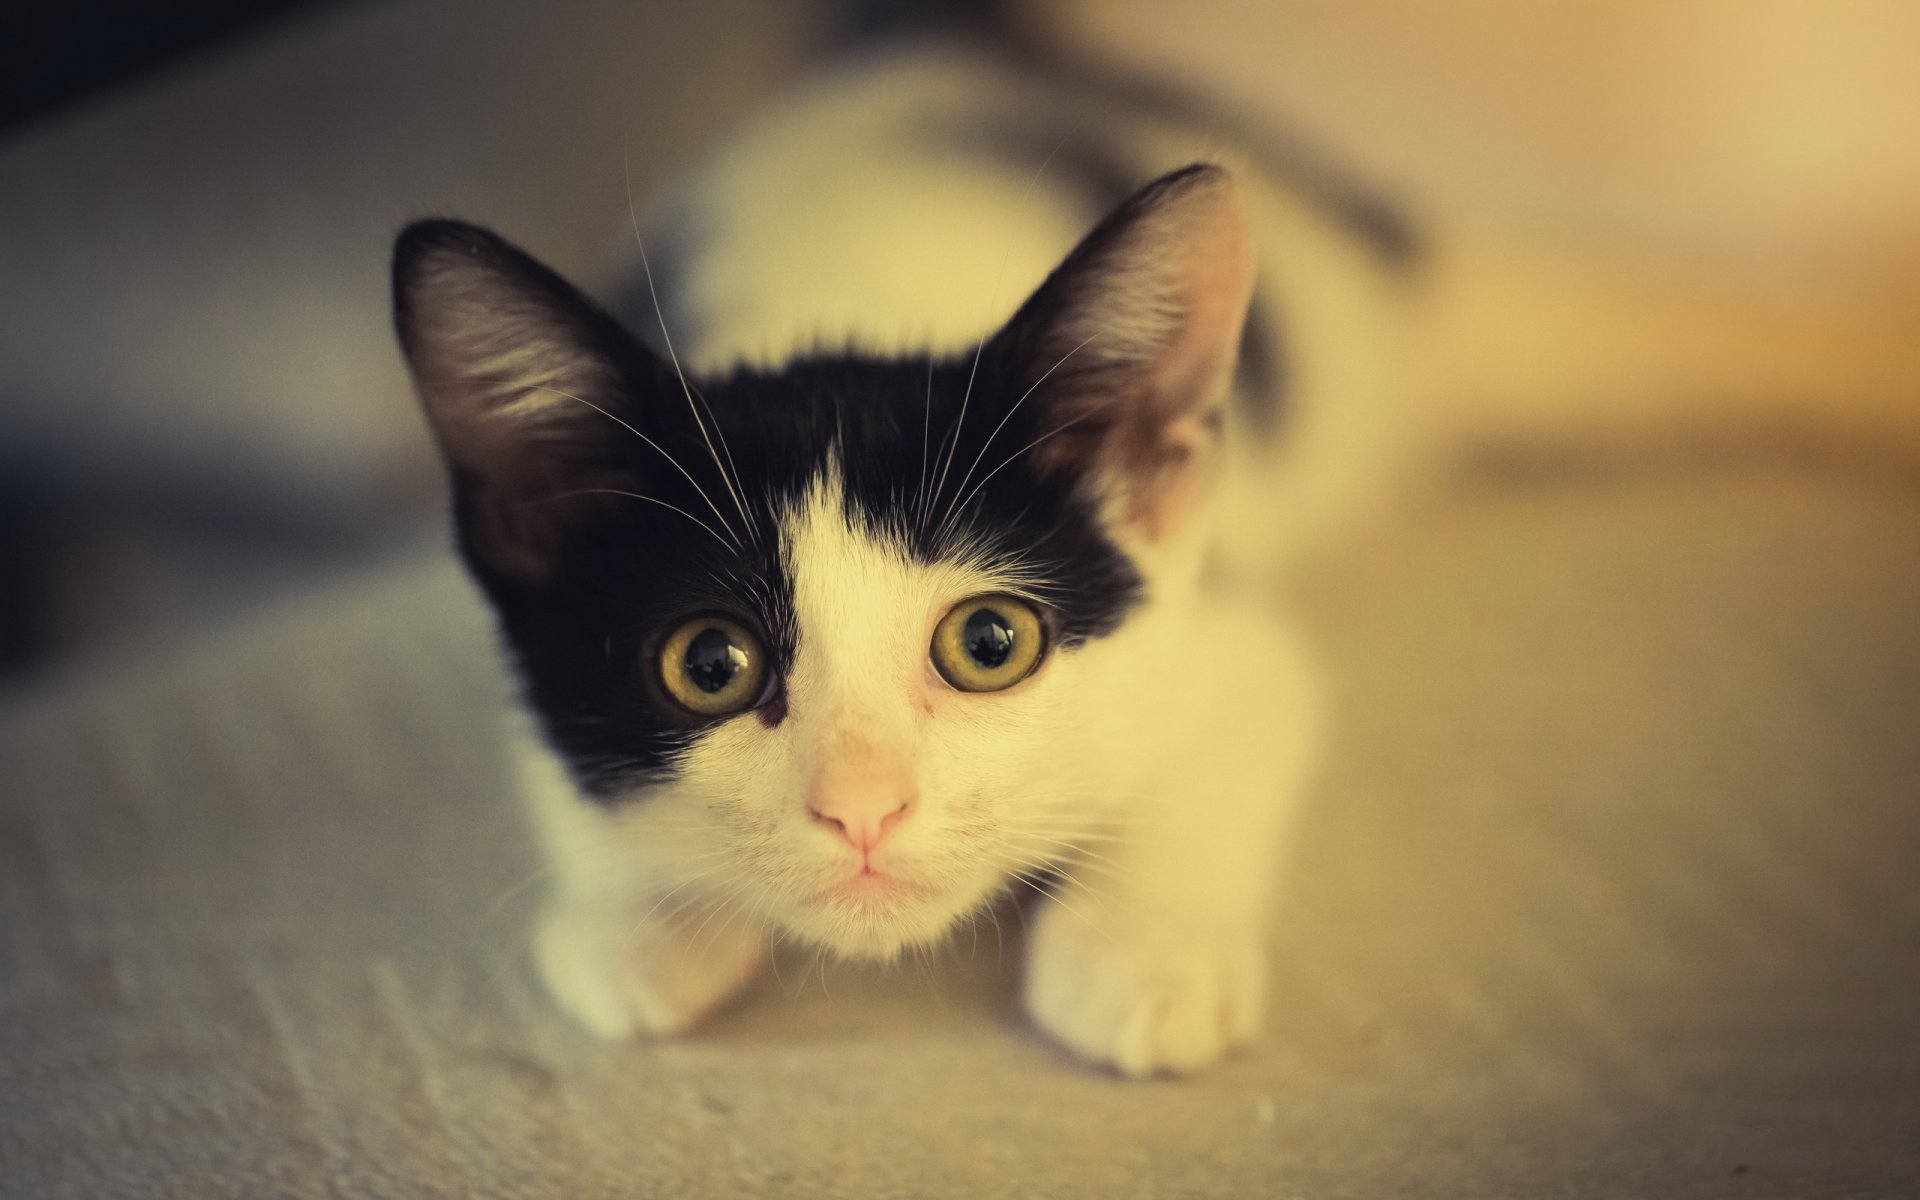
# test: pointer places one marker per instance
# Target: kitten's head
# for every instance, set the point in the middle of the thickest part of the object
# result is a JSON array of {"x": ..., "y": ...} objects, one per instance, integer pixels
[{"x": 833, "y": 639}]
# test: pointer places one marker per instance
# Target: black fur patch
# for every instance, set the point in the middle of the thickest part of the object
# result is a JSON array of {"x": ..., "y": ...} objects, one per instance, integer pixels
[{"x": 622, "y": 572}]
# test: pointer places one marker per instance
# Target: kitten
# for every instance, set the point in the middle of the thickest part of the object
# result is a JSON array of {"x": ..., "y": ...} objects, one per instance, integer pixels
[
  {"x": 841, "y": 651},
  {"x": 839, "y": 646}
]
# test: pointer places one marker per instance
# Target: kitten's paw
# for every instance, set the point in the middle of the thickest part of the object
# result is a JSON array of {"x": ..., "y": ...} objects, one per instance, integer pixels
[
  {"x": 618, "y": 978},
  {"x": 1144, "y": 1004}
]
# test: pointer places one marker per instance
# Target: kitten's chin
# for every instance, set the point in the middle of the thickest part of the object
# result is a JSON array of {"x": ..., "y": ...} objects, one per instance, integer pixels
[{"x": 876, "y": 921}]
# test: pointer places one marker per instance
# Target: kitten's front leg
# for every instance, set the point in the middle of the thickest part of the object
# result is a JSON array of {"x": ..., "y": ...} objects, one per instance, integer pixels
[
  {"x": 1143, "y": 996},
  {"x": 619, "y": 970},
  {"x": 1155, "y": 959},
  {"x": 621, "y": 945}
]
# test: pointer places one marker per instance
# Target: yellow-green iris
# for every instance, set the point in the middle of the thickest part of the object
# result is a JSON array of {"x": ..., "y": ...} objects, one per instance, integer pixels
[
  {"x": 712, "y": 666},
  {"x": 988, "y": 643}
]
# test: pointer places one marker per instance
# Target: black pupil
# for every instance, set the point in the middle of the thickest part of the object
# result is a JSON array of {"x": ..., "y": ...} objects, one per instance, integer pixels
[
  {"x": 988, "y": 638},
  {"x": 713, "y": 660}
]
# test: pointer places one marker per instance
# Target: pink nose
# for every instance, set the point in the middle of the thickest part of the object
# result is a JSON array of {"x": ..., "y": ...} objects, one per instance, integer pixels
[{"x": 860, "y": 820}]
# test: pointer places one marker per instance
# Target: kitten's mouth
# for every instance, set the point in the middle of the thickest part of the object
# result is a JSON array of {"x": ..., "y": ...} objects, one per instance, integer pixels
[
  {"x": 869, "y": 888},
  {"x": 874, "y": 914}
]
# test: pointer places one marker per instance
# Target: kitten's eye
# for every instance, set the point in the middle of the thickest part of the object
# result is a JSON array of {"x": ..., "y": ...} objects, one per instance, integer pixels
[
  {"x": 712, "y": 666},
  {"x": 988, "y": 643}
]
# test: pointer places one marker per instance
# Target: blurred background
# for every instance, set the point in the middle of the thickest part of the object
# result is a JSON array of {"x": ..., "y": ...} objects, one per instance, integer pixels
[
  {"x": 1605, "y": 885},
  {"x": 202, "y": 405}
]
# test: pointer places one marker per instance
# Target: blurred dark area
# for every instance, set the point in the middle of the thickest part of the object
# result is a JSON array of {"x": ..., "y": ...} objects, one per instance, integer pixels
[
  {"x": 55, "y": 53},
  {"x": 203, "y": 408}
]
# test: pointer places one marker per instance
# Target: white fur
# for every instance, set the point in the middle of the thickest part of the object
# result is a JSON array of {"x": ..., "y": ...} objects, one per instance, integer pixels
[
  {"x": 1168, "y": 763},
  {"x": 1158, "y": 766}
]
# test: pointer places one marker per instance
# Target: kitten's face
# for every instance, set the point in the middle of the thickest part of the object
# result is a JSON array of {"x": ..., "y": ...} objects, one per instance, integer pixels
[
  {"x": 854, "y": 795},
  {"x": 871, "y": 802},
  {"x": 825, "y": 642}
]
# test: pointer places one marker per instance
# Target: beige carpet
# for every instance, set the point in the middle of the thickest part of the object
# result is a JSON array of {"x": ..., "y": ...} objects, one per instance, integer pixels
[{"x": 1608, "y": 890}]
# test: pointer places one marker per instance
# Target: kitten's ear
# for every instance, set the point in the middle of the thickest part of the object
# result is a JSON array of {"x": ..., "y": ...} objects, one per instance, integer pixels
[
  {"x": 1129, "y": 345},
  {"x": 523, "y": 379}
]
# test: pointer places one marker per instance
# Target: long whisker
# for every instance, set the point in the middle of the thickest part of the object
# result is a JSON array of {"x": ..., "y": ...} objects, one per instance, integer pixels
[
  {"x": 741, "y": 906},
  {"x": 774, "y": 938},
  {"x": 948, "y": 516},
  {"x": 992, "y": 301},
  {"x": 644, "y": 917},
  {"x": 1075, "y": 833},
  {"x": 929, "y": 498},
  {"x": 634, "y": 495},
  {"x": 1104, "y": 901},
  {"x": 500, "y": 901},
  {"x": 721, "y": 902},
  {"x": 820, "y": 960},
  {"x": 1010, "y": 459},
  {"x": 646, "y": 267},
  {"x": 926, "y": 427},
  {"x": 1065, "y": 907},
  {"x": 629, "y": 427},
  {"x": 1083, "y": 871},
  {"x": 752, "y": 530}
]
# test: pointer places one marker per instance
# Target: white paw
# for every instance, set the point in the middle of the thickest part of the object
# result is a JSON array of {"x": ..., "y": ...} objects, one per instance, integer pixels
[
  {"x": 619, "y": 977},
  {"x": 1146, "y": 1004}
]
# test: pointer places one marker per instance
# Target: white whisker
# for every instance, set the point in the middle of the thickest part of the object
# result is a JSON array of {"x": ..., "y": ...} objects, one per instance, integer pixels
[
  {"x": 993, "y": 301},
  {"x": 731, "y": 469},
  {"x": 516, "y": 889},
  {"x": 948, "y": 516},
  {"x": 1064, "y": 906},
  {"x": 629, "y": 427},
  {"x": 1010, "y": 459},
  {"x": 646, "y": 268},
  {"x": 926, "y": 427},
  {"x": 633, "y": 495}
]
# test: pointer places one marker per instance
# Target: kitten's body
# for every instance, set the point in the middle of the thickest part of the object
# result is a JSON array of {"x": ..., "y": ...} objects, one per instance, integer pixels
[{"x": 1097, "y": 456}]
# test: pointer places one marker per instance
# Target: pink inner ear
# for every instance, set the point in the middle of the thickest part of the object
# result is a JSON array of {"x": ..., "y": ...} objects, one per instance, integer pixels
[
  {"x": 1210, "y": 253},
  {"x": 516, "y": 396},
  {"x": 1191, "y": 264}
]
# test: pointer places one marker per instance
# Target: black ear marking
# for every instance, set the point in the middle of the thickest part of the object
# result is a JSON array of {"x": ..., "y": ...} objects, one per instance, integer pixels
[{"x": 525, "y": 382}]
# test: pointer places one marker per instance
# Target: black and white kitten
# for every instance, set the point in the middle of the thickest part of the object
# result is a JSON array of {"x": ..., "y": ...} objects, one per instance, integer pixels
[
  {"x": 839, "y": 645},
  {"x": 842, "y": 646}
]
